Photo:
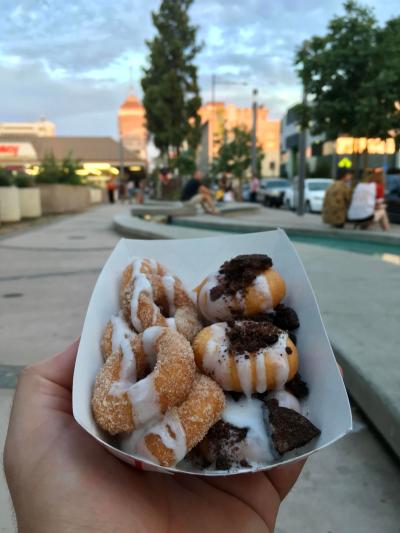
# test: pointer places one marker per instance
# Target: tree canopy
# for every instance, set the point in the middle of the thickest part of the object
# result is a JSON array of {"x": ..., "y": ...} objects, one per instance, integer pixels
[
  {"x": 235, "y": 156},
  {"x": 351, "y": 76},
  {"x": 171, "y": 92}
]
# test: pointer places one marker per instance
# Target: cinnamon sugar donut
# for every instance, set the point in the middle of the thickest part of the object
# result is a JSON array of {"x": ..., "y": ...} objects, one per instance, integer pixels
[
  {"x": 244, "y": 286},
  {"x": 183, "y": 427},
  {"x": 120, "y": 404},
  {"x": 246, "y": 356},
  {"x": 151, "y": 296}
]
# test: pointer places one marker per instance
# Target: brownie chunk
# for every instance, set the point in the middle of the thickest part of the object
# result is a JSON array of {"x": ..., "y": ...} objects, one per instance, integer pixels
[
  {"x": 289, "y": 429},
  {"x": 297, "y": 387},
  {"x": 249, "y": 336},
  {"x": 286, "y": 318},
  {"x": 238, "y": 273},
  {"x": 223, "y": 440}
]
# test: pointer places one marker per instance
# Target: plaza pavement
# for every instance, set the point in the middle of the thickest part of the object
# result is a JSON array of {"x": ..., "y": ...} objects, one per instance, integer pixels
[{"x": 46, "y": 277}]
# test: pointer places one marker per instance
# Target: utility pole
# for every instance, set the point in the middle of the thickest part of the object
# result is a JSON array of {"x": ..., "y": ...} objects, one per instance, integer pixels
[
  {"x": 254, "y": 135},
  {"x": 302, "y": 160},
  {"x": 121, "y": 160}
]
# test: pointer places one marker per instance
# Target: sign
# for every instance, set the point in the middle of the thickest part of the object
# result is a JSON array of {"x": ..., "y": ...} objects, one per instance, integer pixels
[
  {"x": 17, "y": 151},
  {"x": 359, "y": 145},
  {"x": 345, "y": 162}
]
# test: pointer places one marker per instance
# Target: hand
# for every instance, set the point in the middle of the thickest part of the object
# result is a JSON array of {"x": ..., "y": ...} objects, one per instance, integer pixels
[{"x": 61, "y": 479}]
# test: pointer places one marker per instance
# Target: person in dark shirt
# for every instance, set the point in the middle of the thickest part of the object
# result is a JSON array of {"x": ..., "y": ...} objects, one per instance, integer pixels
[{"x": 194, "y": 192}]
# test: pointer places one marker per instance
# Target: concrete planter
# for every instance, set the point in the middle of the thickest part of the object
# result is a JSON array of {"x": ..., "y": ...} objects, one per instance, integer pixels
[
  {"x": 96, "y": 196},
  {"x": 9, "y": 204},
  {"x": 29, "y": 202},
  {"x": 64, "y": 198}
]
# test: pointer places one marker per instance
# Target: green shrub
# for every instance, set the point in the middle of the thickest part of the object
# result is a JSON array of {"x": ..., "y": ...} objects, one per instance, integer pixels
[
  {"x": 6, "y": 178},
  {"x": 24, "y": 180}
]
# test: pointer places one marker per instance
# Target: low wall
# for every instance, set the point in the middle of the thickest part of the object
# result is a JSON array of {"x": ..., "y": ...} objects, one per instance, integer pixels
[
  {"x": 96, "y": 195},
  {"x": 9, "y": 204},
  {"x": 64, "y": 198},
  {"x": 29, "y": 202}
]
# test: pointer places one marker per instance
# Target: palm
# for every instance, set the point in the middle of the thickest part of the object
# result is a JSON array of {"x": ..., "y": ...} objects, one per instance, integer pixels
[{"x": 82, "y": 485}]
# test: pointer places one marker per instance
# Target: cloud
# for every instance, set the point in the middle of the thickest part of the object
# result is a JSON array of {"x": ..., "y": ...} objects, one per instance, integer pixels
[{"x": 70, "y": 60}]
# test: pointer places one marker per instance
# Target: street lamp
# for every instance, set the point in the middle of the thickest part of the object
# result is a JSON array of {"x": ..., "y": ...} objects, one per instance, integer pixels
[
  {"x": 302, "y": 158},
  {"x": 254, "y": 135}
]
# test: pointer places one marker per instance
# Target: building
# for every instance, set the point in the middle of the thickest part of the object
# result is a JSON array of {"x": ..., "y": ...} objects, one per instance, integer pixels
[
  {"x": 324, "y": 158},
  {"x": 132, "y": 126},
  {"x": 218, "y": 120},
  {"x": 41, "y": 128},
  {"x": 99, "y": 156}
]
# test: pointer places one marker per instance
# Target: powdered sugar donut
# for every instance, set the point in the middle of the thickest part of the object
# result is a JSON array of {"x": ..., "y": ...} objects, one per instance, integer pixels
[
  {"x": 244, "y": 286},
  {"x": 120, "y": 403},
  {"x": 245, "y": 356},
  {"x": 151, "y": 296}
]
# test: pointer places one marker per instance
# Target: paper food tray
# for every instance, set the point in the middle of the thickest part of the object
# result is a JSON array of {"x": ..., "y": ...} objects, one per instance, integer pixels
[{"x": 327, "y": 405}]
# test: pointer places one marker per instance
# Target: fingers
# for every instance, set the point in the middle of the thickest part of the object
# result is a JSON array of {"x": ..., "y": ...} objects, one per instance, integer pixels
[
  {"x": 59, "y": 368},
  {"x": 284, "y": 477}
]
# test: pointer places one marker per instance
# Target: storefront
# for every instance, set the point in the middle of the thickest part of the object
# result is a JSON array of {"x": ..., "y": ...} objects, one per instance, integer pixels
[{"x": 100, "y": 157}]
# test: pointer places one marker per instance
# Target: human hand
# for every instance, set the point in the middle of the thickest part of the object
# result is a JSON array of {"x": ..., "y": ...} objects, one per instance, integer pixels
[{"x": 61, "y": 479}]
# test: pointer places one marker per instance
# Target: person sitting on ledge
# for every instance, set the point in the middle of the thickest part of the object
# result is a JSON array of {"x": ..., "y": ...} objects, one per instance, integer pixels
[
  {"x": 194, "y": 192},
  {"x": 337, "y": 200}
]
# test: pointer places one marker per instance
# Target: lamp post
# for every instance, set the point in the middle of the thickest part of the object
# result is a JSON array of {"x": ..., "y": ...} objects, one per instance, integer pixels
[
  {"x": 254, "y": 135},
  {"x": 302, "y": 159}
]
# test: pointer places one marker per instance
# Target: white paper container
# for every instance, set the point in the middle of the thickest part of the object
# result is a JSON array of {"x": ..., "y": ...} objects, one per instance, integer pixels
[{"x": 327, "y": 405}]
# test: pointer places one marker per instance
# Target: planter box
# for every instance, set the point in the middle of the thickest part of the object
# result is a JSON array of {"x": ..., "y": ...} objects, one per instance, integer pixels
[
  {"x": 9, "y": 204},
  {"x": 96, "y": 196},
  {"x": 29, "y": 202},
  {"x": 64, "y": 198}
]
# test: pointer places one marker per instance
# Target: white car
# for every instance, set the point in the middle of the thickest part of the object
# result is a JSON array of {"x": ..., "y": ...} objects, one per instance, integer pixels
[{"x": 314, "y": 194}]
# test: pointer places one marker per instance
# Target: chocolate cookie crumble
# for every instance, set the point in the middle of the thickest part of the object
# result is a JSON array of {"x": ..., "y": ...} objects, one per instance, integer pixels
[
  {"x": 289, "y": 429},
  {"x": 223, "y": 440},
  {"x": 286, "y": 317},
  {"x": 237, "y": 274},
  {"x": 248, "y": 336},
  {"x": 297, "y": 387}
]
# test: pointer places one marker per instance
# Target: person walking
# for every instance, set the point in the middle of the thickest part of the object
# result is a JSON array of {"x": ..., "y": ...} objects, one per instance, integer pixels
[
  {"x": 111, "y": 186},
  {"x": 337, "y": 200},
  {"x": 254, "y": 188},
  {"x": 195, "y": 192}
]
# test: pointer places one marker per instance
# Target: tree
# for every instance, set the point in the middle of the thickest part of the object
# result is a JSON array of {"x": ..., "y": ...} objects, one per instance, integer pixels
[
  {"x": 235, "y": 156},
  {"x": 171, "y": 92},
  {"x": 351, "y": 76},
  {"x": 50, "y": 171}
]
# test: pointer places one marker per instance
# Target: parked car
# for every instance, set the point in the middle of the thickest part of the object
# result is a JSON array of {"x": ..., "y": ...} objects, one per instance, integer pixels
[
  {"x": 392, "y": 197},
  {"x": 272, "y": 191},
  {"x": 314, "y": 193}
]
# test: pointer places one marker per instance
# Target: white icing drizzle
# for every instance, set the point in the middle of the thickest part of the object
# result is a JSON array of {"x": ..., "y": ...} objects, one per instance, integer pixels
[
  {"x": 248, "y": 413},
  {"x": 169, "y": 425},
  {"x": 149, "y": 340},
  {"x": 140, "y": 284},
  {"x": 171, "y": 323},
  {"x": 261, "y": 383},
  {"x": 122, "y": 337},
  {"x": 216, "y": 356},
  {"x": 278, "y": 356},
  {"x": 144, "y": 399},
  {"x": 213, "y": 310},
  {"x": 169, "y": 286},
  {"x": 285, "y": 399},
  {"x": 261, "y": 285}
]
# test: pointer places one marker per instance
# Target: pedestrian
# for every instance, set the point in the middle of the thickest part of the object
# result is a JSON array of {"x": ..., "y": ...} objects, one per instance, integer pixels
[
  {"x": 130, "y": 186},
  {"x": 195, "y": 192},
  {"x": 337, "y": 200},
  {"x": 122, "y": 191},
  {"x": 254, "y": 188},
  {"x": 380, "y": 214},
  {"x": 111, "y": 186}
]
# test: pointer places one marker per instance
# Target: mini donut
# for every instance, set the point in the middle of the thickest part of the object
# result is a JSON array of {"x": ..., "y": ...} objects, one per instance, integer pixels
[
  {"x": 120, "y": 404},
  {"x": 183, "y": 427},
  {"x": 244, "y": 286},
  {"x": 246, "y": 356},
  {"x": 150, "y": 296}
]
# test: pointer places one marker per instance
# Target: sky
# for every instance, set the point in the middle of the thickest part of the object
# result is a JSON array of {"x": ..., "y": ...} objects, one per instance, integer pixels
[{"x": 70, "y": 61}]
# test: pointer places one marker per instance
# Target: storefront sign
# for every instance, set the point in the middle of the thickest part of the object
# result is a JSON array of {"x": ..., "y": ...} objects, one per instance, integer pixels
[
  {"x": 359, "y": 145},
  {"x": 17, "y": 151}
]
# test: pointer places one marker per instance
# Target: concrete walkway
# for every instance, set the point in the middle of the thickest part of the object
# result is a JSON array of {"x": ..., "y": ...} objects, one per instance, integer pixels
[{"x": 46, "y": 277}]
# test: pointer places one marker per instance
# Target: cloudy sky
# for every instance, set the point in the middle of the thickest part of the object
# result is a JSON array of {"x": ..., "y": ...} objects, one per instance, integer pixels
[{"x": 69, "y": 60}]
